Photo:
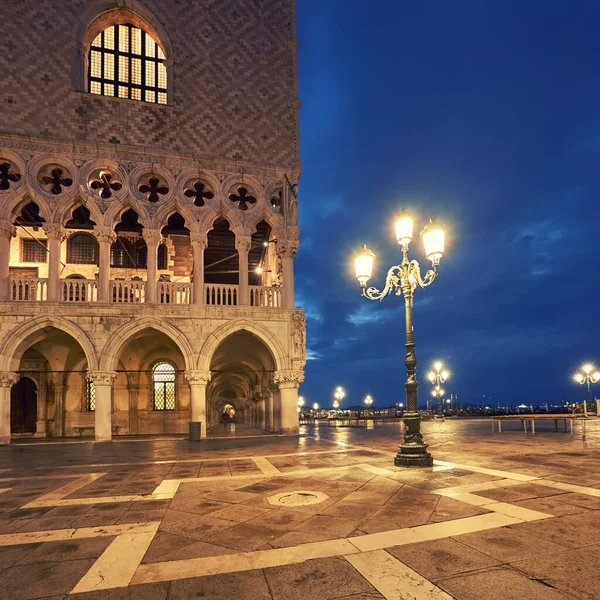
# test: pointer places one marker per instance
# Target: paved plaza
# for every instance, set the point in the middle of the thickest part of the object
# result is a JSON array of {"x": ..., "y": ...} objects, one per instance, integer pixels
[{"x": 324, "y": 515}]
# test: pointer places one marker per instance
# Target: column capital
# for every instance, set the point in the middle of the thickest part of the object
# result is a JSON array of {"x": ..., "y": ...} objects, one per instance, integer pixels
[
  {"x": 199, "y": 239},
  {"x": 7, "y": 229},
  {"x": 243, "y": 243},
  {"x": 8, "y": 379},
  {"x": 197, "y": 377},
  {"x": 54, "y": 231},
  {"x": 102, "y": 377},
  {"x": 105, "y": 235},
  {"x": 288, "y": 249},
  {"x": 152, "y": 237},
  {"x": 288, "y": 380}
]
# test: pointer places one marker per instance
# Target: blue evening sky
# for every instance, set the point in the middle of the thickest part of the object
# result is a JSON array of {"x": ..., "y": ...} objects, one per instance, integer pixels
[{"x": 482, "y": 114}]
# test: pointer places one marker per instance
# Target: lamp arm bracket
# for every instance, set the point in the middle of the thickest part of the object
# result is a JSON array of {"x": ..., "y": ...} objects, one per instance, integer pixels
[
  {"x": 392, "y": 282},
  {"x": 429, "y": 278}
]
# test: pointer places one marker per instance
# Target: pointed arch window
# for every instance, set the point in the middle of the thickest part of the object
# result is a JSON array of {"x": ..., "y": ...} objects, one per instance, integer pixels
[
  {"x": 163, "y": 257},
  {"x": 82, "y": 249},
  {"x": 127, "y": 62},
  {"x": 163, "y": 386}
]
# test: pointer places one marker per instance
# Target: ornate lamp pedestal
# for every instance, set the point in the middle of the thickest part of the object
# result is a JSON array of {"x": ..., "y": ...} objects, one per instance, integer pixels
[{"x": 403, "y": 279}]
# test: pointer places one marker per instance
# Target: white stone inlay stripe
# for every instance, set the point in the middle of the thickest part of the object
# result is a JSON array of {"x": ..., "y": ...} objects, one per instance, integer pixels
[
  {"x": 58, "y": 535},
  {"x": 392, "y": 578},
  {"x": 246, "y": 561},
  {"x": 2, "y": 490},
  {"x": 569, "y": 487},
  {"x": 50, "y": 498},
  {"x": 433, "y": 531},
  {"x": 265, "y": 466},
  {"x": 377, "y": 470},
  {"x": 118, "y": 563},
  {"x": 493, "y": 472}
]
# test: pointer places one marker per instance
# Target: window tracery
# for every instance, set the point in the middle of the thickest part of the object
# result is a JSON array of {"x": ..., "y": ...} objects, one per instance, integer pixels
[
  {"x": 127, "y": 62},
  {"x": 163, "y": 386}
]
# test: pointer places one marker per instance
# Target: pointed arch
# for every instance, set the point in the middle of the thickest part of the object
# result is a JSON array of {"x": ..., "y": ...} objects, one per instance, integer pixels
[
  {"x": 11, "y": 208},
  {"x": 162, "y": 216},
  {"x": 115, "y": 212},
  {"x": 113, "y": 348},
  {"x": 63, "y": 212},
  {"x": 20, "y": 338},
  {"x": 219, "y": 335}
]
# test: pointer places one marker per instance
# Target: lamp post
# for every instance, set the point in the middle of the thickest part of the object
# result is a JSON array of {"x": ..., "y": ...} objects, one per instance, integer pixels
[
  {"x": 403, "y": 279},
  {"x": 368, "y": 402},
  {"x": 300, "y": 403},
  {"x": 339, "y": 395},
  {"x": 438, "y": 376},
  {"x": 589, "y": 376}
]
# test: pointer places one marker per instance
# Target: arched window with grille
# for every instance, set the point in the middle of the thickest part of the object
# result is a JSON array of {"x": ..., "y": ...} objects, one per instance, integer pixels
[
  {"x": 164, "y": 395},
  {"x": 163, "y": 257},
  {"x": 127, "y": 62},
  {"x": 82, "y": 249},
  {"x": 129, "y": 252}
]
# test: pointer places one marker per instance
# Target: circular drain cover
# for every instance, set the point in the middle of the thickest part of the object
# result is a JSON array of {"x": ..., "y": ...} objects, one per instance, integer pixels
[{"x": 299, "y": 498}]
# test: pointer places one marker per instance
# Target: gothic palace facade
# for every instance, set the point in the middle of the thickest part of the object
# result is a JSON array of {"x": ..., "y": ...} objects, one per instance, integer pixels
[{"x": 149, "y": 161}]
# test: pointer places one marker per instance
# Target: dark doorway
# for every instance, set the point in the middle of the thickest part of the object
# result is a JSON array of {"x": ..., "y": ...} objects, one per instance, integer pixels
[{"x": 23, "y": 406}]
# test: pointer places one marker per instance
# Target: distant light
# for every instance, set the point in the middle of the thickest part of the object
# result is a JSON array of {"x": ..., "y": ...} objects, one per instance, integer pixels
[
  {"x": 258, "y": 270},
  {"x": 266, "y": 244},
  {"x": 315, "y": 406}
]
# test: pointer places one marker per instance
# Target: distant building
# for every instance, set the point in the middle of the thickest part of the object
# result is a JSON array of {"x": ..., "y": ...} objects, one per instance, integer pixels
[{"x": 149, "y": 160}]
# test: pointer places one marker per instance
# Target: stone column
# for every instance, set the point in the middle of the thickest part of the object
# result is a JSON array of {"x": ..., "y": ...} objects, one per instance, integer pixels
[
  {"x": 56, "y": 234},
  {"x": 106, "y": 238},
  {"x": 269, "y": 410},
  {"x": 133, "y": 389},
  {"x": 289, "y": 382},
  {"x": 287, "y": 253},
  {"x": 152, "y": 238},
  {"x": 7, "y": 231},
  {"x": 262, "y": 413},
  {"x": 199, "y": 243},
  {"x": 7, "y": 380},
  {"x": 103, "y": 383},
  {"x": 60, "y": 390},
  {"x": 41, "y": 428},
  {"x": 243, "y": 245},
  {"x": 198, "y": 380}
]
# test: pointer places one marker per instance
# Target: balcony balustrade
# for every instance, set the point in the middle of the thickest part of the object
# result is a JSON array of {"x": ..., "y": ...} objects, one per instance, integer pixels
[{"x": 32, "y": 289}]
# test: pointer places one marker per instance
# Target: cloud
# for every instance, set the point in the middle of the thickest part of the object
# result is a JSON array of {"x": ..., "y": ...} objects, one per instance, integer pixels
[{"x": 369, "y": 314}]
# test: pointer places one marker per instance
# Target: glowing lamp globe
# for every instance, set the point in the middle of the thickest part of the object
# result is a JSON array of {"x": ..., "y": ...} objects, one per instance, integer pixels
[
  {"x": 587, "y": 369},
  {"x": 404, "y": 229},
  {"x": 433, "y": 240},
  {"x": 579, "y": 378},
  {"x": 363, "y": 264},
  {"x": 596, "y": 376},
  {"x": 431, "y": 376},
  {"x": 445, "y": 375}
]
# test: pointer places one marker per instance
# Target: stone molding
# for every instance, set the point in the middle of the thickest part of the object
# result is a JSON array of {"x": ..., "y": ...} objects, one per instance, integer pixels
[
  {"x": 197, "y": 377},
  {"x": 243, "y": 243},
  {"x": 152, "y": 237},
  {"x": 288, "y": 380},
  {"x": 8, "y": 379},
  {"x": 102, "y": 378},
  {"x": 199, "y": 239},
  {"x": 54, "y": 231},
  {"x": 105, "y": 235},
  {"x": 7, "y": 229}
]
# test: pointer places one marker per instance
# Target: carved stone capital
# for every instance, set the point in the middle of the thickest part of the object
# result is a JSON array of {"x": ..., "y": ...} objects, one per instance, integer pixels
[
  {"x": 287, "y": 248},
  {"x": 243, "y": 243},
  {"x": 288, "y": 380},
  {"x": 7, "y": 229},
  {"x": 197, "y": 377},
  {"x": 8, "y": 379},
  {"x": 105, "y": 235},
  {"x": 199, "y": 239},
  {"x": 54, "y": 231},
  {"x": 102, "y": 377},
  {"x": 152, "y": 237}
]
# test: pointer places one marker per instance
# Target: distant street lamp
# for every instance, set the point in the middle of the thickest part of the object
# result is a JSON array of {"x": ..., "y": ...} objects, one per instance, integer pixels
[
  {"x": 339, "y": 395},
  {"x": 404, "y": 279},
  {"x": 589, "y": 376},
  {"x": 300, "y": 400},
  {"x": 315, "y": 406},
  {"x": 438, "y": 376},
  {"x": 368, "y": 401}
]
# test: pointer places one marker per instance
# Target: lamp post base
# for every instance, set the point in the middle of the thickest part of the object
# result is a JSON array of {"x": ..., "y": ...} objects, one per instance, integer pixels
[{"x": 423, "y": 459}]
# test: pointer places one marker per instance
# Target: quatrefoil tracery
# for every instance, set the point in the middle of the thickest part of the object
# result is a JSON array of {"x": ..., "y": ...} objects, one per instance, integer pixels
[
  {"x": 153, "y": 189},
  {"x": 7, "y": 176},
  {"x": 56, "y": 181},
  {"x": 199, "y": 192},
  {"x": 106, "y": 183},
  {"x": 243, "y": 198}
]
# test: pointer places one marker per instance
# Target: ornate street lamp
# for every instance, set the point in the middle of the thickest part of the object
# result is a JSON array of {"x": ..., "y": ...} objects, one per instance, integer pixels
[
  {"x": 368, "y": 401},
  {"x": 589, "y": 376},
  {"x": 403, "y": 279},
  {"x": 438, "y": 376},
  {"x": 339, "y": 395}
]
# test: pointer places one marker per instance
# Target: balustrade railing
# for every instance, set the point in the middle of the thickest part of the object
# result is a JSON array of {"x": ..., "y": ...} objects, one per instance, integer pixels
[
  {"x": 174, "y": 293},
  {"x": 269, "y": 297},
  {"x": 128, "y": 292},
  {"x": 31, "y": 289},
  {"x": 79, "y": 290},
  {"x": 221, "y": 294}
]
